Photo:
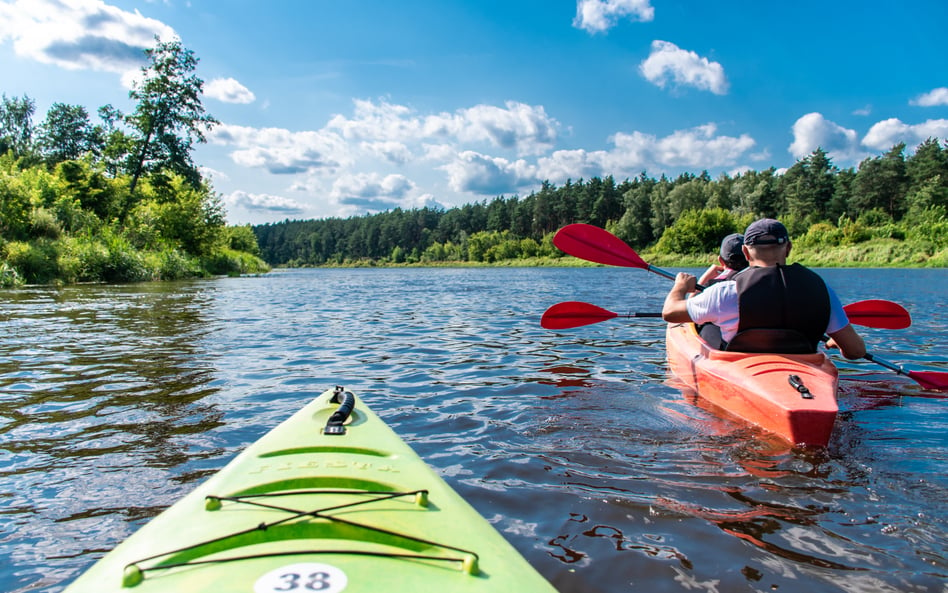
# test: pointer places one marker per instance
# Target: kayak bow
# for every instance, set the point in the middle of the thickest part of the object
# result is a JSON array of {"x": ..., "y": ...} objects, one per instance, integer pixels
[{"x": 330, "y": 500}]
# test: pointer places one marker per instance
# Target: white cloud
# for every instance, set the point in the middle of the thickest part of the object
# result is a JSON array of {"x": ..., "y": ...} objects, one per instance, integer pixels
[
  {"x": 281, "y": 151},
  {"x": 80, "y": 34},
  {"x": 213, "y": 174},
  {"x": 524, "y": 129},
  {"x": 264, "y": 203},
  {"x": 228, "y": 90},
  {"x": 370, "y": 191},
  {"x": 932, "y": 98},
  {"x": 695, "y": 148},
  {"x": 596, "y": 16},
  {"x": 669, "y": 63},
  {"x": 486, "y": 175},
  {"x": 377, "y": 122},
  {"x": 572, "y": 164},
  {"x": 698, "y": 147},
  {"x": 389, "y": 150},
  {"x": 887, "y": 133},
  {"x": 813, "y": 131}
]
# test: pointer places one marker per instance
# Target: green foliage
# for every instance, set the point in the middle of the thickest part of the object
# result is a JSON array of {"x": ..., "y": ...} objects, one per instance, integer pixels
[
  {"x": 9, "y": 277},
  {"x": 36, "y": 262},
  {"x": 16, "y": 127},
  {"x": 241, "y": 238},
  {"x": 698, "y": 231},
  {"x": 929, "y": 226},
  {"x": 169, "y": 116}
]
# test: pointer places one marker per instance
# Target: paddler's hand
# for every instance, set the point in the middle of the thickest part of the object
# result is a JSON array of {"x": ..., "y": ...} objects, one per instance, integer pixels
[
  {"x": 676, "y": 309},
  {"x": 685, "y": 283}
]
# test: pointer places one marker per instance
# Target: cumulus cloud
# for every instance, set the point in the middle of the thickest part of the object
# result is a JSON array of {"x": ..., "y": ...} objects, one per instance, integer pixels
[
  {"x": 264, "y": 203},
  {"x": 389, "y": 150},
  {"x": 370, "y": 191},
  {"x": 699, "y": 147},
  {"x": 572, "y": 164},
  {"x": 486, "y": 175},
  {"x": 814, "y": 131},
  {"x": 932, "y": 98},
  {"x": 281, "y": 151},
  {"x": 80, "y": 34},
  {"x": 596, "y": 16},
  {"x": 887, "y": 133},
  {"x": 668, "y": 63},
  {"x": 693, "y": 148},
  {"x": 524, "y": 129},
  {"x": 228, "y": 90}
]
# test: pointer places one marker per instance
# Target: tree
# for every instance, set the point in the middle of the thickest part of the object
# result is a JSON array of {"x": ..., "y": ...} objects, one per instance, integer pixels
[
  {"x": 169, "y": 117},
  {"x": 809, "y": 185},
  {"x": 66, "y": 134},
  {"x": 16, "y": 125},
  {"x": 882, "y": 182}
]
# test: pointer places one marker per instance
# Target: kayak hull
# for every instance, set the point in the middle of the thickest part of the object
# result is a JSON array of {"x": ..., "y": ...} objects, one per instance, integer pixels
[
  {"x": 304, "y": 510},
  {"x": 757, "y": 387}
]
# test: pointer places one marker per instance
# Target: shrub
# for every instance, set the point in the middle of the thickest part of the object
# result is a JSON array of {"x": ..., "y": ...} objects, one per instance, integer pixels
[
  {"x": 9, "y": 277},
  {"x": 698, "y": 231},
  {"x": 44, "y": 224},
  {"x": 821, "y": 233},
  {"x": 36, "y": 262}
]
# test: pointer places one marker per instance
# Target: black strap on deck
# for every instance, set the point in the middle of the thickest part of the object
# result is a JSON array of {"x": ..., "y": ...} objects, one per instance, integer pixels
[{"x": 346, "y": 402}]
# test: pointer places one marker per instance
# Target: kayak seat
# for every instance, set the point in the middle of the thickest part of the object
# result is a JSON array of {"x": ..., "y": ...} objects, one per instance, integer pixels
[{"x": 780, "y": 341}]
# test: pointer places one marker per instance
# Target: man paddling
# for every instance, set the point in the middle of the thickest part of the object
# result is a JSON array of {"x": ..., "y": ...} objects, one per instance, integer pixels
[{"x": 769, "y": 306}]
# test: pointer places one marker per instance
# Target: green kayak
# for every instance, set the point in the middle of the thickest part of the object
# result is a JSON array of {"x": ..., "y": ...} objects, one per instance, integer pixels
[{"x": 331, "y": 500}]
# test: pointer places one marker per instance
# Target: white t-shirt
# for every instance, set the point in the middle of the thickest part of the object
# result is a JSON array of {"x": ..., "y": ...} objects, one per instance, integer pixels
[{"x": 718, "y": 304}]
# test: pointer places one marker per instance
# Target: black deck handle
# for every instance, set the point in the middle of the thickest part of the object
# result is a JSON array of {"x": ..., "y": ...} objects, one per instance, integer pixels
[{"x": 346, "y": 402}]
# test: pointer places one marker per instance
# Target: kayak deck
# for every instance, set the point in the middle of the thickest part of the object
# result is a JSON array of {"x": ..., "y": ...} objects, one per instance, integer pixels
[
  {"x": 356, "y": 510},
  {"x": 791, "y": 395}
]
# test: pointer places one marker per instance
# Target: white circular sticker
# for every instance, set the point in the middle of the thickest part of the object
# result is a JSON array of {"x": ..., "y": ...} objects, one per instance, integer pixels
[{"x": 302, "y": 578}]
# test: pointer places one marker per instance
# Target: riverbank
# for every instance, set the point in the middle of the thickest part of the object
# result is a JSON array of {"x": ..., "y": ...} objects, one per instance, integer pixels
[{"x": 877, "y": 253}]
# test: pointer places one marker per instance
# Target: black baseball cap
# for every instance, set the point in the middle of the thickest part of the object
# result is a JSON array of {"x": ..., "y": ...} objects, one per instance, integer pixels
[
  {"x": 766, "y": 231},
  {"x": 731, "y": 251}
]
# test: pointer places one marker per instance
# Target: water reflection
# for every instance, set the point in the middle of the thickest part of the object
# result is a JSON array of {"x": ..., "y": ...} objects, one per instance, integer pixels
[{"x": 104, "y": 389}]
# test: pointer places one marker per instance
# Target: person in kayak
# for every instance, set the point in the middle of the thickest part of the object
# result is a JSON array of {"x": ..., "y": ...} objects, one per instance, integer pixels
[
  {"x": 730, "y": 261},
  {"x": 769, "y": 306}
]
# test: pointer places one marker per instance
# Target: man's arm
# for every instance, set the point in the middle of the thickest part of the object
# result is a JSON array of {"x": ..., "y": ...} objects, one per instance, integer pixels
[
  {"x": 848, "y": 341},
  {"x": 676, "y": 306}
]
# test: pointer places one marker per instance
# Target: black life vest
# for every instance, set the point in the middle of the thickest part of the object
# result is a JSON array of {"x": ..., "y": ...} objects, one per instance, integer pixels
[{"x": 791, "y": 302}]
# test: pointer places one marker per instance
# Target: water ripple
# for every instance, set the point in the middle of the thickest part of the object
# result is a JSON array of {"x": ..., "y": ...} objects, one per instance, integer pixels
[{"x": 116, "y": 400}]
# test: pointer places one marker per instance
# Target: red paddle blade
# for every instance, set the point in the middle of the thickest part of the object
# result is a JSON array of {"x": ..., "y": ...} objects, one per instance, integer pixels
[
  {"x": 594, "y": 244},
  {"x": 930, "y": 379},
  {"x": 573, "y": 314},
  {"x": 878, "y": 313}
]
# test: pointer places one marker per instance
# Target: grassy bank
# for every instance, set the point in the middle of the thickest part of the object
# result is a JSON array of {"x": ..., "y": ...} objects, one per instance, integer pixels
[{"x": 876, "y": 253}]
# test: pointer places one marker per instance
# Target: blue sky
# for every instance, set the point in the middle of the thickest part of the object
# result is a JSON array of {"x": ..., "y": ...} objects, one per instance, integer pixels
[{"x": 343, "y": 107}]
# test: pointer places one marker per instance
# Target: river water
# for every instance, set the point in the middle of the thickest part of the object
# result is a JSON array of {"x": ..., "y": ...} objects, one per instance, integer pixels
[{"x": 117, "y": 400}]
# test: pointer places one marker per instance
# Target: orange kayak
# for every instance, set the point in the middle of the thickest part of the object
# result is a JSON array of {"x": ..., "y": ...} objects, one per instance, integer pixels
[{"x": 791, "y": 395}]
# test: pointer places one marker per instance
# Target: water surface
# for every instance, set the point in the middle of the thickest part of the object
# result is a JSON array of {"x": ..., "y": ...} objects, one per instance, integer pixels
[{"x": 117, "y": 400}]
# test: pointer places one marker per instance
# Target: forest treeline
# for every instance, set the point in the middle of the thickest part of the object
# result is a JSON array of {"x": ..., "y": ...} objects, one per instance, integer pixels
[
  {"x": 892, "y": 199},
  {"x": 118, "y": 201}
]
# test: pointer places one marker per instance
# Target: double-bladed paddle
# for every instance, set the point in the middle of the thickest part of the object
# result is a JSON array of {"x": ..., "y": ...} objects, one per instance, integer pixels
[
  {"x": 577, "y": 313},
  {"x": 875, "y": 313},
  {"x": 597, "y": 245}
]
